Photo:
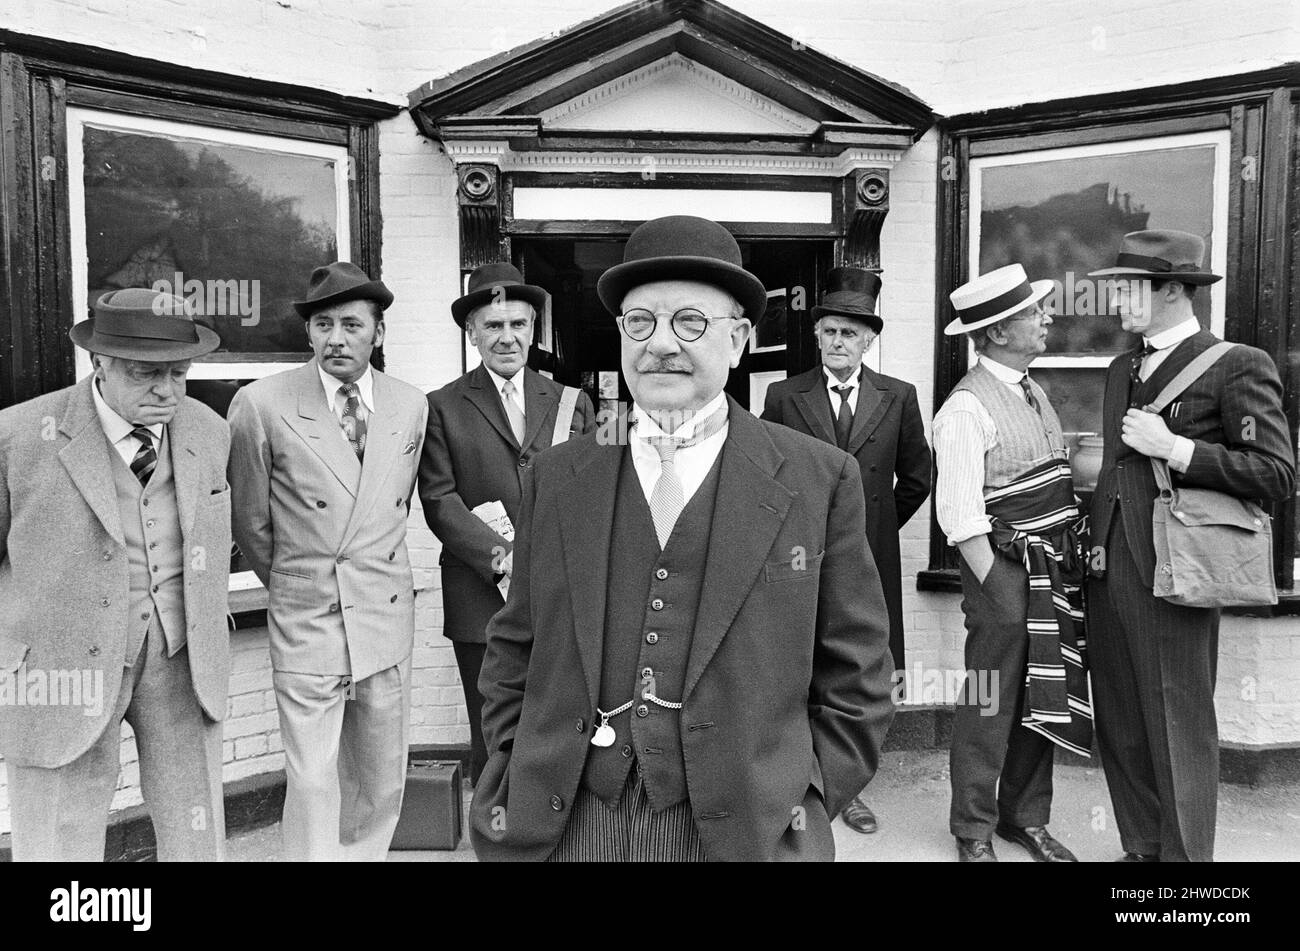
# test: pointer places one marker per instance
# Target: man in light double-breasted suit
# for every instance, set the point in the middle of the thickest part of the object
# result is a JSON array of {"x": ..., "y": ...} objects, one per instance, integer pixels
[
  {"x": 114, "y": 558},
  {"x": 322, "y": 465}
]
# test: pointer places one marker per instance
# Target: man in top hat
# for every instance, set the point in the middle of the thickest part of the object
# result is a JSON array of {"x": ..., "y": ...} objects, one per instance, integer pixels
[
  {"x": 114, "y": 558},
  {"x": 693, "y": 659},
  {"x": 877, "y": 420},
  {"x": 1155, "y": 661},
  {"x": 1004, "y": 497},
  {"x": 323, "y": 461},
  {"x": 484, "y": 430}
]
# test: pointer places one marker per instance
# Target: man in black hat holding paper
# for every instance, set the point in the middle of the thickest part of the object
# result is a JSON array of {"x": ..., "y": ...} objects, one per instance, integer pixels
[
  {"x": 114, "y": 558},
  {"x": 693, "y": 660},
  {"x": 484, "y": 430},
  {"x": 323, "y": 461},
  {"x": 1154, "y": 661},
  {"x": 877, "y": 420}
]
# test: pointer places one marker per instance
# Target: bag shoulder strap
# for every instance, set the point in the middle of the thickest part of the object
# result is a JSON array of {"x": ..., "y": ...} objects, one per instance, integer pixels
[
  {"x": 1188, "y": 375},
  {"x": 564, "y": 415}
]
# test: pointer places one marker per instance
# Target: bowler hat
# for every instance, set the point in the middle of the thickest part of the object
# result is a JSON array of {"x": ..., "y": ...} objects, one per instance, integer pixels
[
  {"x": 851, "y": 292},
  {"x": 990, "y": 297},
  {"x": 686, "y": 248},
  {"x": 1160, "y": 255},
  {"x": 496, "y": 282},
  {"x": 141, "y": 324},
  {"x": 338, "y": 283}
]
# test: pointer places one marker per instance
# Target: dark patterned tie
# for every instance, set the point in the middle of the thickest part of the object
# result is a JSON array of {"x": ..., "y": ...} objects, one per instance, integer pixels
[
  {"x": 1029, "y": 395},
  {"x": 354, "y": 427},
  {"x": 146, "y": 458},
  {"x": 1135, "y": 370},
  {"x": 844, "y": 420}
]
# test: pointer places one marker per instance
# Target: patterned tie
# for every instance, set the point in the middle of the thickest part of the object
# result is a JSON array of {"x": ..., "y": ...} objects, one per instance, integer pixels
[
  {"x": 146, "y": 459},
  {"x": 513, "y": 412},
  {"x": 354, "y": 427},
  {"x": 1029, "y": 394},
  {"x": 844, "y": 420},
  {"x": 1135, "y": 370},
  {"x": 668, "y": 497}
]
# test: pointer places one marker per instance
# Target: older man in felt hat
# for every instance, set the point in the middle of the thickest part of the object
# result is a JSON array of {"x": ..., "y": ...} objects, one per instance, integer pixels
[
  {"x": 1005, "y": 498},
  {"x": 1155, "y": 661},
  {"x": 484, "y": 430},
  {"x": 323, "y": 461},
  {"x": 877, "y": 420},
  {"x": 114, "y": 558},
  {"x": 693, "y": 659}
]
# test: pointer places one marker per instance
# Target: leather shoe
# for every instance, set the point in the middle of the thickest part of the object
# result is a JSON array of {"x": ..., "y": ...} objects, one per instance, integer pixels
[
  {"x": 1038, "y": 842},
  {"x": 858, "y": 817},
  {"x": 1137, "y": 857},
  {"x": 975, "y": 850}
]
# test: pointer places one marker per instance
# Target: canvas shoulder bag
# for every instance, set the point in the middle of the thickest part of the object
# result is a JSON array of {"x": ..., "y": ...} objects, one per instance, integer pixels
[{"x": 1213, "y": 550}]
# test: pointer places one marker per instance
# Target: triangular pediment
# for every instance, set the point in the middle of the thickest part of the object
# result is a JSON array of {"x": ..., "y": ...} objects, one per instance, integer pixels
[{"x": 651, "y": 98}]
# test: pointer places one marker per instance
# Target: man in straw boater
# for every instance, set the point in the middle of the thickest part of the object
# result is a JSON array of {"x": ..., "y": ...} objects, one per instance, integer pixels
[
  {"x": 484, "y": 430},
  {"x": 1156, "y": 661},
  {"x": 1004, "y": 497},
  {"x": 323, "y": 461},
  {"x": 693, "y": 660},
  {"x": 876, "y": 419},
  {"x": 114, "y": 559}
]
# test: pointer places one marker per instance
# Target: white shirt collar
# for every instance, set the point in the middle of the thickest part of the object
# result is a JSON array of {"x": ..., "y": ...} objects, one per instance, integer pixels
[
  {"x": 499, "y": 381},
  {"x": 1175, "y": 335},
  {"x": 1002, "y": 371},
  {"x": 647, "y": 428},
  {"x": 365, "y": 388},
  {"x": 115, "y": 427},
  {"x": 833, "y": 381}
]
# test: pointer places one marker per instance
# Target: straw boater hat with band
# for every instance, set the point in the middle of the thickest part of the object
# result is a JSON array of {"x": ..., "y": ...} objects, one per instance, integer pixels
[
  {"x": 339, "y": 283},
  {"x": 496, "y": 282},
  {"x": 1160, "y": 255},
  {"x": 985, "y": 300},
  {"x": 136, "y": 323},
  {"x": 851, "y": 292},
  {"x": 682, "y": 248}
]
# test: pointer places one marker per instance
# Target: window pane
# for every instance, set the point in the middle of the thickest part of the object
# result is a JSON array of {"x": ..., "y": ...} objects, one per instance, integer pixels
[
  {"x": 239, "y": 229},
  {"x": 1065, "y": 217}
]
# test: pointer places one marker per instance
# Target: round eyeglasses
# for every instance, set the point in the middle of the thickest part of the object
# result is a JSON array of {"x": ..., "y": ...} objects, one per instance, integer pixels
[{"x": 688, "y": 323}]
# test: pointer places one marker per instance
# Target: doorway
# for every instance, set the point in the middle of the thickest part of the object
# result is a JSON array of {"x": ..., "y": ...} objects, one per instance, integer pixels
[{"x": 579, "y": 345}]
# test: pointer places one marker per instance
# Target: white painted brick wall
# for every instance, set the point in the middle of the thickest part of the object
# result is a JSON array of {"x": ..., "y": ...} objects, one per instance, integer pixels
[{"x": 958, "y": 55}]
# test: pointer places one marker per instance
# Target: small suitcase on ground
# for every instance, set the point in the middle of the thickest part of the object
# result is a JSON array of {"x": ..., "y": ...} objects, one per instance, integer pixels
[{"x": 431, "y": 807}]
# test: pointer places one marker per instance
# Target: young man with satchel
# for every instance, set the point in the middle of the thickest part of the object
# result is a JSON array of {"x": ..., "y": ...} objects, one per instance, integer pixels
[{"x": 1154, "y": 654}]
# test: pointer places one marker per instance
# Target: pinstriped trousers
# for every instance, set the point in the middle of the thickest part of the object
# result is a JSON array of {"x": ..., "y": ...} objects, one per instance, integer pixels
[{"x": 630, "y": 831}]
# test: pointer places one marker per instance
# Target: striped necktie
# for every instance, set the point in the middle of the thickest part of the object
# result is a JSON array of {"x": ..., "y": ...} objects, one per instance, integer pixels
[
  {"x": 354, "y": 427},
  {"x": 1029, "y": 395},
  {"x": 668, "y": 498},
  {"x": 146, "y": 457}
]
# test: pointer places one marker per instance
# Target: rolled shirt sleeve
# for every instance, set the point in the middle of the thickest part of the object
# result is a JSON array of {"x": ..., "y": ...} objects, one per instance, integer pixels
[{"x": 963, "y": 433}]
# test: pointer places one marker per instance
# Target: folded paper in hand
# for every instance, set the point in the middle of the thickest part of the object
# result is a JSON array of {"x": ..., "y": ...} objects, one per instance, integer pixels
[{"x": 493, "y": 515}]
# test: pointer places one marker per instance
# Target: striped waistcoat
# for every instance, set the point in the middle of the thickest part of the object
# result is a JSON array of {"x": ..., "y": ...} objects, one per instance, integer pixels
[{"x": 1025, "y": 438}]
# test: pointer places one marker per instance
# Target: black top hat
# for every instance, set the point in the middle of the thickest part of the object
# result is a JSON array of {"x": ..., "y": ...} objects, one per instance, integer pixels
[
  {"x": 141, "y": 324},
  {"x": 851, "y": 292},
  {"x": 686, "y": 248},
  {"x": 495, "y": 282},
  {"x": 338, "y": 283},
  {"x": 1158, "y": 255}
]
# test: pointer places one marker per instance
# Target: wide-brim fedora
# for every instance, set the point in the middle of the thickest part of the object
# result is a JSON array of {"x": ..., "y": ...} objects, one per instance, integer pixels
[
  {"x": 339, "y": 283},
  {"x": 141, "y": 324},
  {"x": 682, "y": 248},
  {"x": 851, "y": 292},
  {"x": 991, "y": 297},
  {"x": 496, "y": 282},
  {"x": 1161, "y": 255}
]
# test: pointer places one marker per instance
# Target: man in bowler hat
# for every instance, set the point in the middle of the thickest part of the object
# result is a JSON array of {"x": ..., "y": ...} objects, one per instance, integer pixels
[
  {"x": 693, "y": 660},
  {"x": 877, "y": 420},
  {"x": 1155, "y": 661},
  {"x": 484, "y": 430},
  {"x": 114, "y": 559},
  {"x": 323, "y": 461}
]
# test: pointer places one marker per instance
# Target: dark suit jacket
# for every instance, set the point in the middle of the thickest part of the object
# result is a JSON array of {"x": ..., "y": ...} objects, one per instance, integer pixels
[
  {"x": 788, "y": 677},
  {"x": 888, "y": 440},
  {"x": 1234, "y": 415},
  {"x": 471, "y": 457}
]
